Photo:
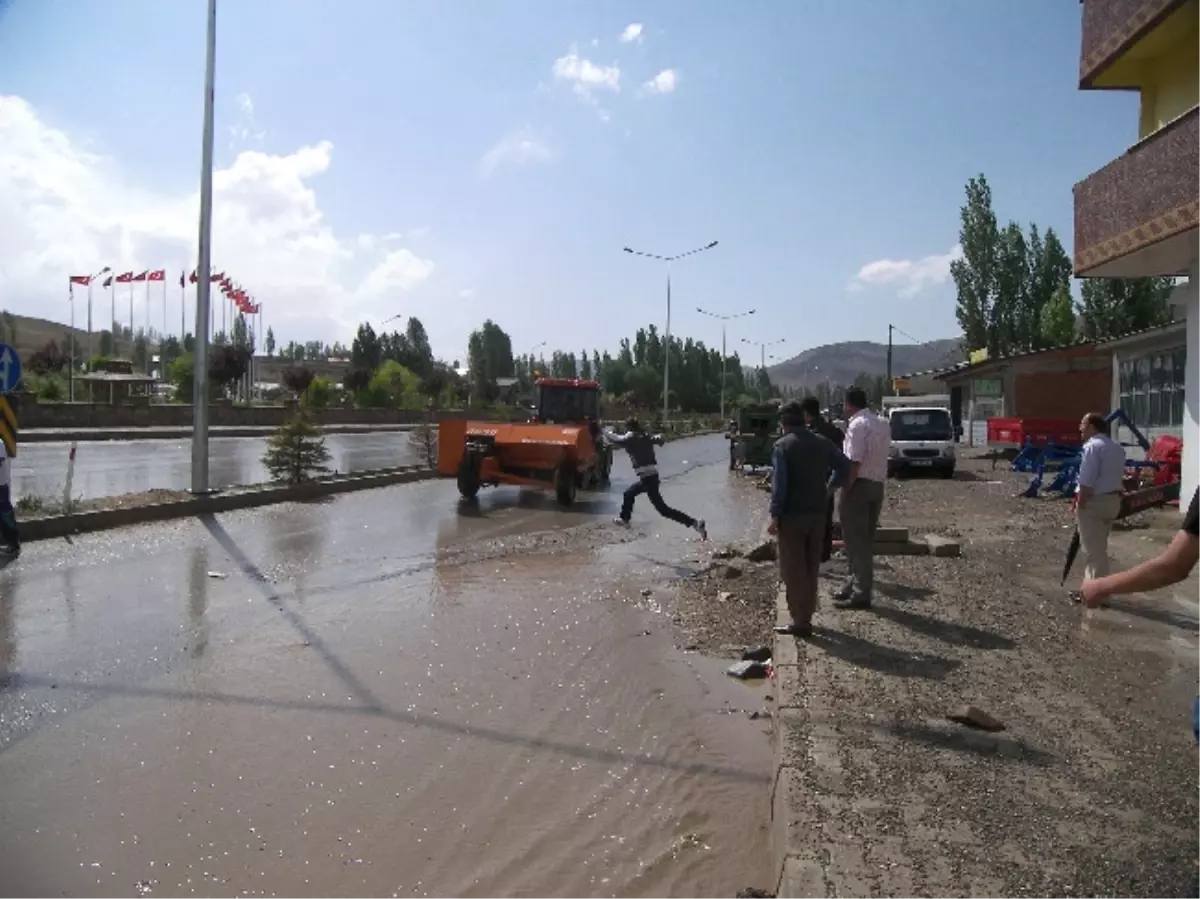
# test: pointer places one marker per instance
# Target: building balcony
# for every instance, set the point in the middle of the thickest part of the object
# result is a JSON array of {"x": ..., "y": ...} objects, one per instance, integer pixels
[
  {"x": 1118, "y": 36},
  {"x": 1137, "y": 216}
]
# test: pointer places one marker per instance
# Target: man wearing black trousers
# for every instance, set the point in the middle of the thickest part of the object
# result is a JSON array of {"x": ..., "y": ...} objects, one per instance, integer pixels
[
  {"x": 640, "y": 446},
  {"x": 817, "y": 422}
]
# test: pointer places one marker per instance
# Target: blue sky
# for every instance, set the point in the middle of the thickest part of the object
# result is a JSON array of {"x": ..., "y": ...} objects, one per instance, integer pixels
[{"x": 476, "y": 160}]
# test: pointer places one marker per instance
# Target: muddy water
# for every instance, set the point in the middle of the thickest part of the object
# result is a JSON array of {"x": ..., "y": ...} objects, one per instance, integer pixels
[{"x": 385, "y": 695}]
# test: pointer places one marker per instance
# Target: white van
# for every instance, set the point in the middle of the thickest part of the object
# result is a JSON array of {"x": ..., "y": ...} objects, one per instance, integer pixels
[{"x": 922, "y": 440}]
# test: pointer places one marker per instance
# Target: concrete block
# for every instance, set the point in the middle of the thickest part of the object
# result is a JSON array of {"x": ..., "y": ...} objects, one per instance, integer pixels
[
  {"x": 908, "y": 548},
  {"x": 802, "y": 875},
  {"x": 943, "y": 547}
]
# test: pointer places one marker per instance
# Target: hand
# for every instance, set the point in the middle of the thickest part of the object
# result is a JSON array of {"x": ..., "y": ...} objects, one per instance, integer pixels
[
  {"x": 1091, "y": 594},
  {"x": 773, "y": 527}
]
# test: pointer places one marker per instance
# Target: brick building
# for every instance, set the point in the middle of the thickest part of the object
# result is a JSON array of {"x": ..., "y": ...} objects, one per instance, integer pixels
[{"x": 1137, "y": 216}]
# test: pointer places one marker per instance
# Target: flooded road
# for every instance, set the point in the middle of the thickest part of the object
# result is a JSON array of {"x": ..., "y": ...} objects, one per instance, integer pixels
[
  {"x": 386, "y": 694},
  {"x": 113, "y": 467}
]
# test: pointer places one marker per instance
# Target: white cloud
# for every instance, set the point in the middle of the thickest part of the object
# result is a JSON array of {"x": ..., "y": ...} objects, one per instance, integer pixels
[
  {"x": 518, "y": 147},
  {"x": 64, "y": 211},
  {"x": 584, "y": 75},
  {"x": 662, "y": 83},
  {"x": 245, "y": 129},
  {"x": 466, "y": 293},
  {"x": 632, "y": 32},
  {"x": 908, "y": 276}
]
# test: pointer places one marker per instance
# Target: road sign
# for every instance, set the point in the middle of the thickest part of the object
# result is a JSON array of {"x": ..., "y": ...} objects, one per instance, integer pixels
[
  {"x": 10, "y": 368},
  {"x": 8, "y": 427}
]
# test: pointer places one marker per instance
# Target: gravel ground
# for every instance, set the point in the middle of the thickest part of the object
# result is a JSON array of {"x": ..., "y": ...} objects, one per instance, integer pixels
[{"x": 1092, "y": 788}]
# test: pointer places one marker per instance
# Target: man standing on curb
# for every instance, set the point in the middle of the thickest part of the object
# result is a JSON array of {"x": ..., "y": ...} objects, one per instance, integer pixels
[
  {"x": 805, "y": 468},
  {"x": 8, "y": 516},
  {"x": 1098, "y": 500},
  {"x": 831, "y": 432},
  {"x": 868, "y": 439}
]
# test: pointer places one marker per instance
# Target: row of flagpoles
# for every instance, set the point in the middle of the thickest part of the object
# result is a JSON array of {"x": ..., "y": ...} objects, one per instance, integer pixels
[{"x": 236, "y": 297}]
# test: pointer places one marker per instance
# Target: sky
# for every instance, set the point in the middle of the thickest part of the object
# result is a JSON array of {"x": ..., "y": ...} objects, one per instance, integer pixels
[{"x": 464, "y": 161}]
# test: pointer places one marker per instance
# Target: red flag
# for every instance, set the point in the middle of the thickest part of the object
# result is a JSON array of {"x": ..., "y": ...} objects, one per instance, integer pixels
[
  {"x": 160, "y": 275},
  {"x": 192, "y": 277},
  {"x": 85, "y": 280},
  {"x": 141, "y": 277},
  {"x": 217, "y": 278},
  {"x": 108, "y": 281},
  {"x": 124, "y": 278}
]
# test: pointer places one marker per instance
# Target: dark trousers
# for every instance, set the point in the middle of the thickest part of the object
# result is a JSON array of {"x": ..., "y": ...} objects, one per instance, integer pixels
[
  {"x": 800, "y": 539},
  {"x": 827, "y": 540},
  {"x": 8, "y": 518},
  {"x": 649, "y": 485}
]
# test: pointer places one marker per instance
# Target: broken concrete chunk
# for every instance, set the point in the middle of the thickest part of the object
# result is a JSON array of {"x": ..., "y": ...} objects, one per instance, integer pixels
[
  {"x": 767, "y": 551},
  {"x": 728, "y": 552},
  {"x": 975, "y": 717},
  {"x": 724, "y": 596},
  {"x": 748, "y": 670},
  {"x": 732, "y": 571},
  {"x": 757, "y": 654},
  {"x": 942, "y": 547}
]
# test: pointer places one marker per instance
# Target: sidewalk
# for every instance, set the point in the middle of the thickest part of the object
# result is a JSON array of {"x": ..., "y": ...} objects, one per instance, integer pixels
[
  {"x": 66, "y": 435},
  {"x": 1090, "y": 790}
]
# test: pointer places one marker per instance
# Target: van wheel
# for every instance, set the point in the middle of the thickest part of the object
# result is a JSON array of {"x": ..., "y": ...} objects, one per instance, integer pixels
[
  {"x": 948, "y": 473},
  {"x": 564, "y": 483}
]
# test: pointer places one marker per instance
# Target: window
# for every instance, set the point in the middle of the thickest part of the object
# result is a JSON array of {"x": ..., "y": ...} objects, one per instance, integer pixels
[
  {"x": 1151, "y": 387},
  {"x": 923, "y": 424}
]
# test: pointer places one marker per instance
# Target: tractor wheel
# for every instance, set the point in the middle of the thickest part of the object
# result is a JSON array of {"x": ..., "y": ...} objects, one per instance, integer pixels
[
  {"x": 468, "y": 476},
  {"x": 564, "y": 483}
]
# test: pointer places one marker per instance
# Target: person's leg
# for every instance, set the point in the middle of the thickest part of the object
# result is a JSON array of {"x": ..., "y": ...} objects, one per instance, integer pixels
[
  {"x": 791, "y": 572},
  {"x": 632, "y": 492},
  {"x": 864, "y": 575},
  {"x": 855, "y": 514},
  {"x": 1094, "y": 520},
  {"x": 814, "y": 549},
  {"x": 654, "y": 493},
  {"x": 827, "y": 540},
  {"x": 8, "y": 519}
]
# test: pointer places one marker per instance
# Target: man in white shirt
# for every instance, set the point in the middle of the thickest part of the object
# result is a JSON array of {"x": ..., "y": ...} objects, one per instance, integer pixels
[
  {"x": 868, "y": 439},
  {"x": 8, "y": 516},
  {"x": 1098, "y": 497}
]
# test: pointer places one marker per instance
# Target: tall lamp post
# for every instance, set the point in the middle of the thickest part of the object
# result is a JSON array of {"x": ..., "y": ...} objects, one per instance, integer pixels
[
  {"x": 204, "y": 268},
  {"x": 724, "y": 319},
  {"x": 667, "y": 349},
  {"x": 762, "y": 350}
]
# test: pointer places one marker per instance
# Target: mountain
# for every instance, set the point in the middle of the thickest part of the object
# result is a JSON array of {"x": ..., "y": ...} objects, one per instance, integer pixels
[{"x": 841, "y": 363}]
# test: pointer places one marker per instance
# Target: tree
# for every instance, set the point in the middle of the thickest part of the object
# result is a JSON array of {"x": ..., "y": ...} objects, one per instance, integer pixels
[
  {"x": 319, "y": 394},
  {"x": 297, "y": 378},
  {"x": 420, "y": 355},
  {"x": 356, "y": 379},
  {"x": 141, "y": 352},
  {"x": 1058, "y": 320},
  {"x": 433, "y": 385},
  {"x": 975, "y": 273},
  {"x": 365, "y": 351},
  {"x": 106, "y": 344},
  {"x": 1049, "y": 271},
  {"x": 1011, "y": 298},
  {"x": 269, "y": 345},
  {"x": 296, "y": 452},
  {"x": 48, "y": 360},
  {"x": 1112, "y": 306},
  {"x": 227, "y": 365},
  {"x": 169, "y": 350},
  {"x": 489, "y": 356}
]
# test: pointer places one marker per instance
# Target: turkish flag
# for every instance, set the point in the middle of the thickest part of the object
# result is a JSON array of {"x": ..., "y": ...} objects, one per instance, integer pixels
[
  {"x": 160, "y": 275},
  {"x": 125, "y": 278},
  {"x": 141, "y": 277},
  {"x": 81, "y": 279}
]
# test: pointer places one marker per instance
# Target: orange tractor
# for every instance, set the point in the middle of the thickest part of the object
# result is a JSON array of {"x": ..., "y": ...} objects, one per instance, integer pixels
[{"x": 561, "y": 447}]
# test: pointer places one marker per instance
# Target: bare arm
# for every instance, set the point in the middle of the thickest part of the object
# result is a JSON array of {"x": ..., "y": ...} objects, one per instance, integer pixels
[{"x": 1170, "y": 566}]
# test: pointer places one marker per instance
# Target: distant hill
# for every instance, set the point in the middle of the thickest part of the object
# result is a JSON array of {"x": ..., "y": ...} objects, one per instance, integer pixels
[
  {"x": 841, "y": 363},
  {"x": 34, "y": 333}
]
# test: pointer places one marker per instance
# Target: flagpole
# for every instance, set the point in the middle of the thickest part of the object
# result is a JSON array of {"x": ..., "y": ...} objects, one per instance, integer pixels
[
  {"x": 163, "y": 336},
  {"x": 204, "y": 269},
  {"x": 131, "y": 320},
  {"x": 182, "y": 309},
  {"x": 89, "y": 343},
  {"x": 71, "y": 348}
]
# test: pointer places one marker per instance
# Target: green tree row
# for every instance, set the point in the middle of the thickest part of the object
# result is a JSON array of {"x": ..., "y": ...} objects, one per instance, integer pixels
[{"x": 1014, "y": 288}]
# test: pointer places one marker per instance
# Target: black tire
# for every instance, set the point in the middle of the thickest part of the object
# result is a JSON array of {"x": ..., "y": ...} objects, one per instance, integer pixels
[
  {"x": 564, "y": 483},
  {"x": 468, "y": 476},
  {"x": 948, "y": 474}
]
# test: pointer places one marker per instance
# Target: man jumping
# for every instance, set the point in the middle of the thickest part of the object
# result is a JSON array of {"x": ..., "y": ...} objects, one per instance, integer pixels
[{"x": 640, "y": 446}]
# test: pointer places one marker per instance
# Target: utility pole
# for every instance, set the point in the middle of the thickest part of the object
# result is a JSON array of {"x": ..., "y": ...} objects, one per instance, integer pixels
[
  {"x": 667, "y": 345},
  {"x": 204, "y": 271},
  {"x": 762, "y": 349},
  {"x": 888, "y": 386},
  {"x": 723, "y": 319}
]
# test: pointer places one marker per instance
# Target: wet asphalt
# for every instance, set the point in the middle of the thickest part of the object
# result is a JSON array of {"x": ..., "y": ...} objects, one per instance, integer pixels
[{"x": 388, "y": 693}]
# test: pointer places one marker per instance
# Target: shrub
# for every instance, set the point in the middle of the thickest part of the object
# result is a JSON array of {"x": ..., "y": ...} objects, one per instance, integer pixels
[
  {"x": 297, "y": 379},
  {"x": 296, "y": 452},
  {"x": 319, "y": 394}
]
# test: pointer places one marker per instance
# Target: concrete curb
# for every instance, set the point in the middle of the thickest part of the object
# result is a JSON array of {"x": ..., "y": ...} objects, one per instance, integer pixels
[
  {"x": 106, "y": 519},
  {"x": 85, "y": 435},
  {"x": 791, "y": 876}
]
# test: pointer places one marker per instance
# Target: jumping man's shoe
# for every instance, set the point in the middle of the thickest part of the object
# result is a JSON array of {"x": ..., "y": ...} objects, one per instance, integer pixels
[
  {"x": 621, "y": 521},
  {"x": 701, "y": 528}
]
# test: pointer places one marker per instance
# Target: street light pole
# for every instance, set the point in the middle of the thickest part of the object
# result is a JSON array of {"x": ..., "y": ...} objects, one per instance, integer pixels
[
  {"x": 204, "y": 270},
  {"x": 667, "y": 348},
  {"x": 762, "y": 350},
  {"x": 724, "y": 319}
]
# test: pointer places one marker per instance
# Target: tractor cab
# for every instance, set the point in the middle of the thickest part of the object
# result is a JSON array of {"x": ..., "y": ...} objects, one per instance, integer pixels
[{"x": 567, "y": 401}]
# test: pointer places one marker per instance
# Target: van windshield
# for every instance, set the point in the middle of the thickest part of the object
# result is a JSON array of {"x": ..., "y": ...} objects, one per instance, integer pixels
[{"x": 923, "y": 424}]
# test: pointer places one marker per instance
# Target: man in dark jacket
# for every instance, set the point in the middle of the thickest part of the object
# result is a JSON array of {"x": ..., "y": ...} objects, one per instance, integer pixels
[
  {"x": 640, "y": 446},
  {"x": 805, "y": 468},
  {"x": 831, "y": 432}
]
